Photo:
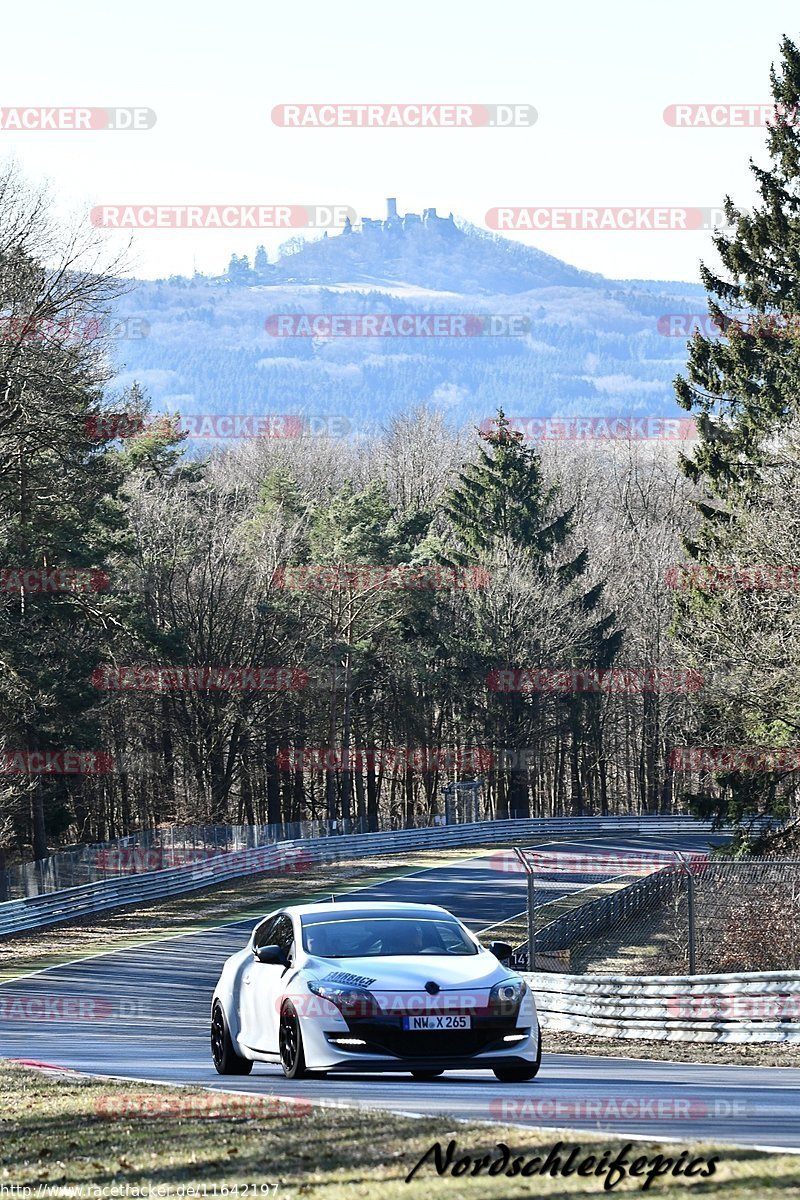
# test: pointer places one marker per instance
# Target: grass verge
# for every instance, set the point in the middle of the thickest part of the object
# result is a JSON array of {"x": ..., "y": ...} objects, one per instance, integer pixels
[{"x": 68, "y": 1131}]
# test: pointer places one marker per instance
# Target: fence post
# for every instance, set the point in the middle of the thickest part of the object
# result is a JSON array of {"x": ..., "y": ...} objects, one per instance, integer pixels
[
  {"x": 531, "y": 892},
  {"x": 531, "y": 922},
  {"x": 692, "y": 925},
  {"x": 448, "y": 792},
  {"x": 690, "y": 906}
]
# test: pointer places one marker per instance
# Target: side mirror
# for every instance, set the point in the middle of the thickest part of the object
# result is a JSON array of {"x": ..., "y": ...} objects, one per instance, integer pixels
[
  {"x": 273, "y": 955},
  {"x": 501, "y": 950}
]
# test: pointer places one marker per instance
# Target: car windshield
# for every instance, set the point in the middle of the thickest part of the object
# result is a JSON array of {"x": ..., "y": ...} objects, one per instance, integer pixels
[{"x": 374, "y": 937}]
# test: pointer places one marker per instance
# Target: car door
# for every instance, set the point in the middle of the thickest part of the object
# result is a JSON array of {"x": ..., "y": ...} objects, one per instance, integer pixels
[
  {"x": 262, "y": 986},
  {"x": 248, "y": 1007}
]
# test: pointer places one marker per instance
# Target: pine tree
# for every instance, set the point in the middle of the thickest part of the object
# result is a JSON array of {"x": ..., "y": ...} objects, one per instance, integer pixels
[
  {"x": 501, "y": 505},
  {"x": 744, "y": 391},
  {"x": 59, "y": 509},
  {"x": 506, "y": 519},
  {"x": 744, "y": 387},
  {"x": 362, "y": 626}
]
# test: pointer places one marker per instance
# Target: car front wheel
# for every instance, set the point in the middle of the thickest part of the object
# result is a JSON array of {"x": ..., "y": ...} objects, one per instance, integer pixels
[
  {"x": 517, "y": 1074},
  {"x": 290, "y": 1043},
  {"x": 226, "y": 1060}
]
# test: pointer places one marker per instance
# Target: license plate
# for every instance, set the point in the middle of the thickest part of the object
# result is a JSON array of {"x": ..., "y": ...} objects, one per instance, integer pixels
[{"x": 437, "y": 1022}]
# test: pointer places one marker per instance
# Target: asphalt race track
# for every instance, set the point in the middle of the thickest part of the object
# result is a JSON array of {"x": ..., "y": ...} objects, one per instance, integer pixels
[{"x": 144, "y": 1015}]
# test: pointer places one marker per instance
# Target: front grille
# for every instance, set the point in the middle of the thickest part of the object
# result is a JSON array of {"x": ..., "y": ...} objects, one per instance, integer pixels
[{"x": 387, "y": 1036}]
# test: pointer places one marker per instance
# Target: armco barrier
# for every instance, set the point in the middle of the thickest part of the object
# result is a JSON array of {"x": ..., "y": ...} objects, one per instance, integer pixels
[
  {"x": 754, "y": 1007},
  {"x": 48, "y": 909},
  {"x": 154, "y": 849}
]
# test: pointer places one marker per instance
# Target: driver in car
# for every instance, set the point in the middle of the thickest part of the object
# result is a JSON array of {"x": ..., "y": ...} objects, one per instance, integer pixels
[{"x": 410, "y": 939}]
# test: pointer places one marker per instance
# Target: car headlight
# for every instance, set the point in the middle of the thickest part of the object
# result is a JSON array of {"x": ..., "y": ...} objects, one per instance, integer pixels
[
  {"x": 351, "y": 1001},
  {"x": 505, "y": 998}
]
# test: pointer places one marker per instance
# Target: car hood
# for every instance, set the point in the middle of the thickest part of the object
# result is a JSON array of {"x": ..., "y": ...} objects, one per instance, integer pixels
[{"x": 411, "y": 972}]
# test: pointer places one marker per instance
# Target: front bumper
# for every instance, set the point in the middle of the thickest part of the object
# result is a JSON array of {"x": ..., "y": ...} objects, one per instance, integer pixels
[{"x": 384, "y": 1050}]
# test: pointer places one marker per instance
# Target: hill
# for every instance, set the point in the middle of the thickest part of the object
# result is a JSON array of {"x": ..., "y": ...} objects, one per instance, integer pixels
[{"x": 581, "y": 344}]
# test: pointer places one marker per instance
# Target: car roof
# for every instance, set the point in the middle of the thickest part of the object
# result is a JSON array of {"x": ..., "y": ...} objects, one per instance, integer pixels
[{"x": 366, "y": 906}]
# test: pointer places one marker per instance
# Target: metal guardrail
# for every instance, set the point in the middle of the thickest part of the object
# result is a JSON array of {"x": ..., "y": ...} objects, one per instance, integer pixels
[
  {"x": 51, "y": 908},
  {"x": 154, "y": 850},
  {"x": 748, "y": 1007}
]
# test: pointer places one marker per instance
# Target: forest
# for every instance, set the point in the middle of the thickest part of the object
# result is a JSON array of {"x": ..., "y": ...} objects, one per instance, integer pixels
[{"x": 338, "y": 628}]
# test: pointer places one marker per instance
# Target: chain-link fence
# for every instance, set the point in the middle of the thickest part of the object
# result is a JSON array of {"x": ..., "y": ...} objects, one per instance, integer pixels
[
  {"x": 730, "y": 916},
  {"x": 177, "y": 845},
  {"x": 660, "y": 914},
  {"x": 153, "y": 850}
]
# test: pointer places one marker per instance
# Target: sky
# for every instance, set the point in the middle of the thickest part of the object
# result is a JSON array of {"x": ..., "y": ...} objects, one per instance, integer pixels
[{"x": 599, "y": 76}]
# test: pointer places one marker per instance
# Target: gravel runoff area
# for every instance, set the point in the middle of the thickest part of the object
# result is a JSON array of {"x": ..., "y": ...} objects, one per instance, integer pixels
[{"x": 718, "y": 1054}]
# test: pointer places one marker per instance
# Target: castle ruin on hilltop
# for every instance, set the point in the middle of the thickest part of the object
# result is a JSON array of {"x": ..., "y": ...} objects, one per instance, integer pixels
[
  {"x": 394, "y": 223},
  {"x": 240, "y": 271}
]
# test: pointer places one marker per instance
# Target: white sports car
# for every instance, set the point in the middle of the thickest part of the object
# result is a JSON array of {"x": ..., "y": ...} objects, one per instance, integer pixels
[{"x": 372, "y": 987}]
